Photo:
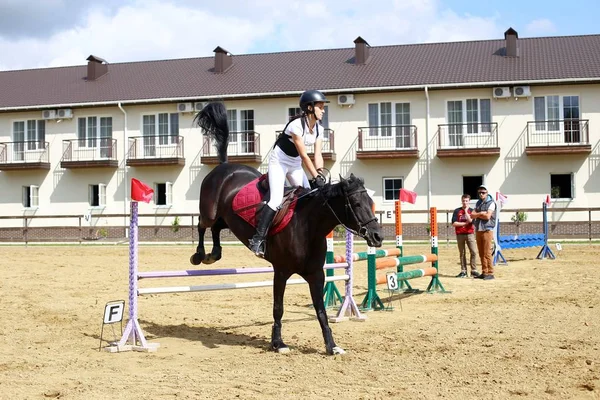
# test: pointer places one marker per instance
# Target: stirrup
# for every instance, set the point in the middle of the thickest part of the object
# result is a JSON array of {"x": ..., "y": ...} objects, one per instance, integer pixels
[{"x": 258, "y": 247}]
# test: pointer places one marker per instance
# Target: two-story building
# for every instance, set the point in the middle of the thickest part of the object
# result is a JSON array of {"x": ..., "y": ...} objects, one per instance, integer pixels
[{"x": 519, "y": 114}]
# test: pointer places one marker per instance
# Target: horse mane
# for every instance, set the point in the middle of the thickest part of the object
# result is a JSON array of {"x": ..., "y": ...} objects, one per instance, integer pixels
[
  {"x": 353, "y": 183},
  {"x": 213, "y": 121}
]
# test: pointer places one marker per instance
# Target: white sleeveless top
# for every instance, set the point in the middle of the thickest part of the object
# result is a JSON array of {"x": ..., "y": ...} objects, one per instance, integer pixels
[{"x": 295, "y": 128}]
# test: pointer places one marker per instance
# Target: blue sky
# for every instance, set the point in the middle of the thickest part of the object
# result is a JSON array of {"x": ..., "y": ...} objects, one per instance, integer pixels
[{"x": 52, "y": 33}]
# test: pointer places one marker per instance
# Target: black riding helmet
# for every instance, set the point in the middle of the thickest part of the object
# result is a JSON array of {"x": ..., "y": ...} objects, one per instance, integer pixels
[{"x": 309, "y": 98}]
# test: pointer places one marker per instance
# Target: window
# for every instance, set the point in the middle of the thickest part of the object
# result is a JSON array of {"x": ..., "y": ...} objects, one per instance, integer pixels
[
  {"x": 391, "y": 188},
  {"x": 471, "y": 184},
  {"x": 241, "y": 127},
  {"x": 31, "y": 196},
  {"x": 97, "y": 195},
  {"x": 391, "y": 120},
  {"x": 27, "y": 136},
  {"x": 95, "y": 132},
  {"x": 555, "y": 114},
  {"x": 471, "y": 116},
  {"x": 159, "y": 130},
  {"x": 163, "y": 194},
  {"x": 562, "y": 186}
]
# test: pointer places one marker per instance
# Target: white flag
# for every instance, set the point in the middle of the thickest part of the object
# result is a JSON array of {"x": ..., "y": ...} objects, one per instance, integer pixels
[{"x": 502, "y": 199}]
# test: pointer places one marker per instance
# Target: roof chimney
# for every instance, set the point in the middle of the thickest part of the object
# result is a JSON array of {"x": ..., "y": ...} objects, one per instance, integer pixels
[
  {"x": 511, "y": 49},
  {"x": 96, "y": 68},
  {"x": 361, "y": 51},
  {"x": 223, "y": 60}
]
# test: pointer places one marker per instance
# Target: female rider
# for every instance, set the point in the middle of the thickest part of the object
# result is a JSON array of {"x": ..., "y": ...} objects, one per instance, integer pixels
[{"x": 287, "y": 158}]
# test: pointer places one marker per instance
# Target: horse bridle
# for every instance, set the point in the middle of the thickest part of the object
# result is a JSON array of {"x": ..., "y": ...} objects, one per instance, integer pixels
[{"x": 362, "y": 228}]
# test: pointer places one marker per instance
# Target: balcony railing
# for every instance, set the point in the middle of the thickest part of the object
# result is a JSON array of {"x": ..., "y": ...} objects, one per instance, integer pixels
[
  {"x": 327, "y": 144},
  {"x": 24, "y": 155},
  {"x": 468, "y": 140},
  {"x": 93, "y": 152},
  {"x": 155, "y": 150},
  {"x": 565, "y": 132},
  {"x": 391, "y": 141},
  {"x": 244, "y": 147}
]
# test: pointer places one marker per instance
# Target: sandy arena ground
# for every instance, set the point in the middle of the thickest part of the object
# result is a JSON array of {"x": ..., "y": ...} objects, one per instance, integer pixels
[{"x": 533, "y": 333}]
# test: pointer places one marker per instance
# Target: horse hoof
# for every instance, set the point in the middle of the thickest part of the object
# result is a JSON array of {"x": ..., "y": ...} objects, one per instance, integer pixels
[
  {"x": 337, "y": 350},
  {"x": 196, "y": 259},
  {"x": 208, "y": 260},
  {"x": 283, "y": 350}
]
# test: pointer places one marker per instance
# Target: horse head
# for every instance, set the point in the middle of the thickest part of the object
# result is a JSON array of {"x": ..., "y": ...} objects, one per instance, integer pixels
[{"x": 353, "y": 207}]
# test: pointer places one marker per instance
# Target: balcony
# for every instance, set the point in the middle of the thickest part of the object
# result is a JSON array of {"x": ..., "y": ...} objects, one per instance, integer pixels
[
  {"x": 89, "y": 153},
  {"x": 468, "y": 140},
  {"x": 327, "y": 145},
  {"x": 555, "y": 137},
  {"x": 155, "y": 151},
  {"x": 24, "y": 155},
  {"x": 385, "y": 142},
  {"x": 243, "y": 148}
]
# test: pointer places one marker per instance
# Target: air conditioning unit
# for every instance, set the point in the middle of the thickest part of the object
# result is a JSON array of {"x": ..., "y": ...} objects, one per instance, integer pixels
[
  {"x": 345, "y": 99},
  {"x": 199, "y": 106},
  {"x": 64, "y": 113},
  {"x": 501, "y": 92},
  {"x": 49, "y": 114},
  {"x": 185, "y": 107},
  {"x": 522, "y": 91}
]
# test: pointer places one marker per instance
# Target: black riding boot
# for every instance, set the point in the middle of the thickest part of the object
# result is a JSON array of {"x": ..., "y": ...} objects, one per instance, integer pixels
[{"x": 257, "y": 243}]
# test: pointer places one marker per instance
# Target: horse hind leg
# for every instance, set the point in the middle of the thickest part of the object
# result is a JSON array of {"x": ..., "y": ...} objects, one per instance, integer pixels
[
  {"x": 199, "y": 255},
  {"x": 217, "y": 251},
  {"x": 316, "y": 283}
]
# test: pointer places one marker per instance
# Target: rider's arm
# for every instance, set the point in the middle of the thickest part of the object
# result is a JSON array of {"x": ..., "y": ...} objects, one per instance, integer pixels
[{"x": 318, "y": 154}]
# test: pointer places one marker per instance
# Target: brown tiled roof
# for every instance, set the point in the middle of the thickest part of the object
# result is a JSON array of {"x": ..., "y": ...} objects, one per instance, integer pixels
[{"x": 476, "y": 62}]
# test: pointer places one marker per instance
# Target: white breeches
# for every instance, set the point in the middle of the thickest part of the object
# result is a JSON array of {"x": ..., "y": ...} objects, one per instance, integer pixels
[{"x": 282, "y": 166}]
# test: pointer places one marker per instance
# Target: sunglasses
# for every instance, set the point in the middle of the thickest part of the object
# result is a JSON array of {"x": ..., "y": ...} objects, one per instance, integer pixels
[{"x": 481, "y": 192}]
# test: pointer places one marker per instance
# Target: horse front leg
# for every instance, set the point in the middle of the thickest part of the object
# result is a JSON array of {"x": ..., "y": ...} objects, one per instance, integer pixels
[
  {"x": 316, "y": 283},
  {"x": 279, "y": 283},
  {"x": 217, "y": 251},
  {"x": 199, "y": 255}
]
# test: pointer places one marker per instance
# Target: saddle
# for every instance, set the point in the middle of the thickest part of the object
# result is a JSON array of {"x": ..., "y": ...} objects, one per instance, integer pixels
[{"x": 252, "y": 198}]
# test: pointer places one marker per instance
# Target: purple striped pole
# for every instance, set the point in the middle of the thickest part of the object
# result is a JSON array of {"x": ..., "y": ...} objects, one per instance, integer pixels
[
  {"x": 133, "y": 334},
  {"x": 349, "y": 305}
]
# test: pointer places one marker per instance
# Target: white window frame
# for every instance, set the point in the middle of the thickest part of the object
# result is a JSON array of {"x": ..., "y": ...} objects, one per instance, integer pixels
[
  {"x": 573, "y": 194},
  {"x": 168, "y": 194},
  {"x": 465, "y": 122},
  {"x": 101, "y": 195},
  {"x": 29, "y": 146},
  {"x": 561, "y": 112},
  {"x": 83, "y": 142},
  {"x": 237, "y": 141},
  {"x": 383, "y": 191},
  {"x": 157, "y": 134},
  {"x": 33, "y": 197}
]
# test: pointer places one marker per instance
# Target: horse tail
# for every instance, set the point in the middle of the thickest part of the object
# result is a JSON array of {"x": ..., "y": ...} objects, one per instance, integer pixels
[{"x": 213, "y": 121}]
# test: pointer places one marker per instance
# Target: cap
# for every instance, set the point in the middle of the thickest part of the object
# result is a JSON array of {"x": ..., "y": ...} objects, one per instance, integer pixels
[{"x": 483, "y": 187}]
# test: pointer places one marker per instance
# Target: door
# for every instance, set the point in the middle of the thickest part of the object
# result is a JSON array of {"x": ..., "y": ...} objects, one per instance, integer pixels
[
  {"x": 149, "y": 133},
  {"x": 455, "y": 123},
  {"x": 403, "y": 134}
]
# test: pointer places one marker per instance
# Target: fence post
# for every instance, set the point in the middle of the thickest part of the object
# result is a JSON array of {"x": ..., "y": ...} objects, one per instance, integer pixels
[
  {"x": 590, "y": 224},
  {"x": 80, "y": 230}
]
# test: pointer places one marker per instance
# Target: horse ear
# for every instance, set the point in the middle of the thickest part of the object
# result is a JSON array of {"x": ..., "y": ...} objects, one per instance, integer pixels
[{"x": 341, "y": 178}]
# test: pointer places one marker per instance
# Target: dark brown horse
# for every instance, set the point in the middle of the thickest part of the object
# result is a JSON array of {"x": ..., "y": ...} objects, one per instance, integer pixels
[{"x": 300, "y": 247}]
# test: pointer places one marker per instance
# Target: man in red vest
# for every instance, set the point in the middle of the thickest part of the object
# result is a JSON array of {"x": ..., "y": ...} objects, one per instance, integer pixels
[{"x": 465, "y": 236}]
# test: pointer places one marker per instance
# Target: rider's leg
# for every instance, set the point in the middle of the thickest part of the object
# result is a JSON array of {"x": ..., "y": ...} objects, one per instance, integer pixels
[{"x": 276, "y": 176}]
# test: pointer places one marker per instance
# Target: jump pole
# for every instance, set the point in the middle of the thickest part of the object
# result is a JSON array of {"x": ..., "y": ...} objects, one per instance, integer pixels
[
  {"x": 133, "y": 338},
  {"x": 403, "y": 284},
  {"x": 434, "y": 285}
]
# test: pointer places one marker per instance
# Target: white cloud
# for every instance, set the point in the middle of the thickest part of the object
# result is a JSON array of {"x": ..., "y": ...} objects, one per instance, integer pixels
[
  {"x": 540, "y": 27},
  {"x": 152, "y": 29}
]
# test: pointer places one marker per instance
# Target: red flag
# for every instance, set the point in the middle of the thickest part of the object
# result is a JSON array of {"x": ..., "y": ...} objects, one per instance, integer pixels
[
  {"x": 140, "y": 191},
  {"x": 408, "y": 196},
  {"x": 547, "y": 200}
]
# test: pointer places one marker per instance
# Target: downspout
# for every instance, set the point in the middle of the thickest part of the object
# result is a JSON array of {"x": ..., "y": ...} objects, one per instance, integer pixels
[
  {"x": 125, "y": 195},
  {"x": 427, "y": 155}
]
